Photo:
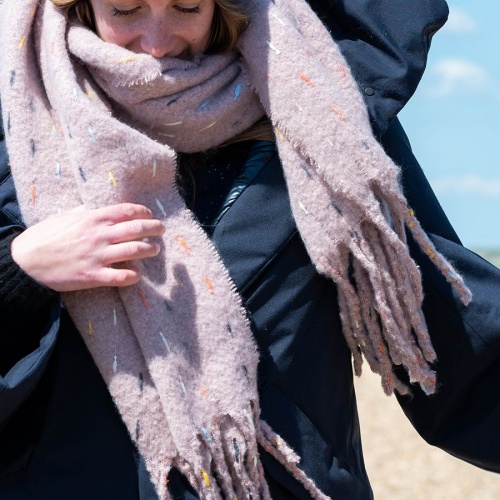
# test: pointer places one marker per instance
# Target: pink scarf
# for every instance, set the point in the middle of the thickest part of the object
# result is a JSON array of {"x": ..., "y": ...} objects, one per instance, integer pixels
[{"x": 91, "y": 122}]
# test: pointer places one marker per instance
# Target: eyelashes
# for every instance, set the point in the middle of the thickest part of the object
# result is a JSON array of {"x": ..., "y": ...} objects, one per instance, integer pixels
[
  {"x": 190, "y": 10},
  {"x": 128, "y": 13},
  {"x": 123, "y": 13}
]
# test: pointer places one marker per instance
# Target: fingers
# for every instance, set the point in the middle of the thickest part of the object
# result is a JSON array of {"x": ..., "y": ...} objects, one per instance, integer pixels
[
  {"x": 130, "y": 250},
  {"x": 134, "y": 230},
  {"x": 114, "y": 214},
  {"x": 108, "y": 276}
]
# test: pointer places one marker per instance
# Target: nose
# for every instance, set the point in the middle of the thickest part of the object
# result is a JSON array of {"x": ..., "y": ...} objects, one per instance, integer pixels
[{"x": 158, "y": 40}]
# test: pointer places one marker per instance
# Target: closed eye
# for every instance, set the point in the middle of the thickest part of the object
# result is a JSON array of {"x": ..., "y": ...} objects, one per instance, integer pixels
[
  {"x": 186, "y": 10},
  {"x": 124, "y": 13}
]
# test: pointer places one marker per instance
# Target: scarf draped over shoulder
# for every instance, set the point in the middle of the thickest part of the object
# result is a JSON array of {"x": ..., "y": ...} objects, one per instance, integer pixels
[{"x": 90, "y": 122}]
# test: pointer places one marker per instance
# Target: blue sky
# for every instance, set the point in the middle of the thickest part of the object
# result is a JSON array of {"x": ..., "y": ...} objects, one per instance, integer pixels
[{"x": 453, "y": 120}]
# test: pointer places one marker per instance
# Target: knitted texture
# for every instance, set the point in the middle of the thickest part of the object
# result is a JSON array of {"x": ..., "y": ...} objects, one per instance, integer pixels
[
  {"x": 19, "y": 293},
  {"x": 90, "y": 122}
]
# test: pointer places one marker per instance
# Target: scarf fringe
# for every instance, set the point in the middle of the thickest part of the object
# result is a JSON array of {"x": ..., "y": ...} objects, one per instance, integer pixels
[
  {"x": 380, "y": 298},
  {"x": 226, "y": 463},
  {"x": 281, "y": 451},
  {"x": 364, "y": 251}
]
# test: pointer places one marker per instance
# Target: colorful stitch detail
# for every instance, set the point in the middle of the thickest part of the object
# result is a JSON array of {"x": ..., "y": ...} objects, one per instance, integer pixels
[
  {"x": 145, "y": 302},
  {"x": 209, "y": 284}
]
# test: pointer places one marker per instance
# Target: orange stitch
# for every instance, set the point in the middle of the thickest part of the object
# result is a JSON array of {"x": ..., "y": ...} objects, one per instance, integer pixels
[
  {"x": 204, "y": 392},
  {"x": 430, "y": 253},
  {"x": 342, "y": 70},
  {"x": 184, "y": 245},
  {"x": 381, "y": 348},
  {"x": 209, "y": 285},
  {"x": 338, "y": 113},
  {"x": 143, "y": 298},
  {"x": 389, "y": 379},
  {"x": 33, "y": 195},
  {"x": 53, "y": 47},
  {"x": 304, "y": 77}
]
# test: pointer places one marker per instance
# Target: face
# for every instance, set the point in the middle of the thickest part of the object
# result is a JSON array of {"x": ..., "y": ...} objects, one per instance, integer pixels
[{"x": 174, "y": 28}]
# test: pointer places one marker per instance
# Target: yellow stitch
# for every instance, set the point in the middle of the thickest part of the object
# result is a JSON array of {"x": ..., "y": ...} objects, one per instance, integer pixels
[
  {"x": 430, "y": 253},
  {"x": 278, "y": 442},
  {"x": 280, "y": 135},
  {"x": 127, "y": 59},
  {"x": 89, "y": 94},
  {"x": 412, "y": 213},
  {"x": 91, "y": 328},
  {"x": 205, "y": 477},
  {"x": 411, "y": 224},
  {"x": 21, "y": 43},
  {"x": 112, "y": 178}
]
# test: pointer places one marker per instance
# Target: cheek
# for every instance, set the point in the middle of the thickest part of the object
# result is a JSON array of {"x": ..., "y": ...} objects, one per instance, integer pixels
[
  {"x": 113, "y": 34},
  {"x": 201, "y": 36}
]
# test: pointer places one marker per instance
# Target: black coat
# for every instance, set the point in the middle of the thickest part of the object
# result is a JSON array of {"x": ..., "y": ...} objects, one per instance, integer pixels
[{"x": 60, "y": 435}]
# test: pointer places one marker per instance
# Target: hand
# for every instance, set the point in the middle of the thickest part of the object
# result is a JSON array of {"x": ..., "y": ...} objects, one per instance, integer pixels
[{"x": 80, "y": 248}]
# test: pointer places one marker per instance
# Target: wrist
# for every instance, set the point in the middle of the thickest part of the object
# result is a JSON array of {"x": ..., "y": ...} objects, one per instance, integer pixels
[{"x": 19, "y": 292}]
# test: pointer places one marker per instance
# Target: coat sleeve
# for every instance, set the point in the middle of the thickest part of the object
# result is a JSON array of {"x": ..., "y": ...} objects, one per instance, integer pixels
[
  {"x": 386, "y": 45},
  {"x": 29, "y": 312},
  {"x": 463, "y": 417}
]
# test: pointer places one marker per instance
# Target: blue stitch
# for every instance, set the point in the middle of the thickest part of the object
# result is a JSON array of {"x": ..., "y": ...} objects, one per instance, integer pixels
[
  {"x": 206, "y": 435},
  {"x": 203, "y": 105},
  {"x": 237, "y": 91}
]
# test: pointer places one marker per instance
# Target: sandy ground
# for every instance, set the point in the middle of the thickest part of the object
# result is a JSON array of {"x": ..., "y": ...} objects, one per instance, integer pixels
[{"x": 399, "y": 462}]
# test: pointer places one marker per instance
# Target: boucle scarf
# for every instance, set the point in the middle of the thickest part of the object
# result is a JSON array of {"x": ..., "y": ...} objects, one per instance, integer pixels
[{"x": 90, "y": 122}]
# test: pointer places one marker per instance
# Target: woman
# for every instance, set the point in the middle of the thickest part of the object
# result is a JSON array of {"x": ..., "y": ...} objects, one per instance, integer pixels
[{"x": 156, "y": 423}]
